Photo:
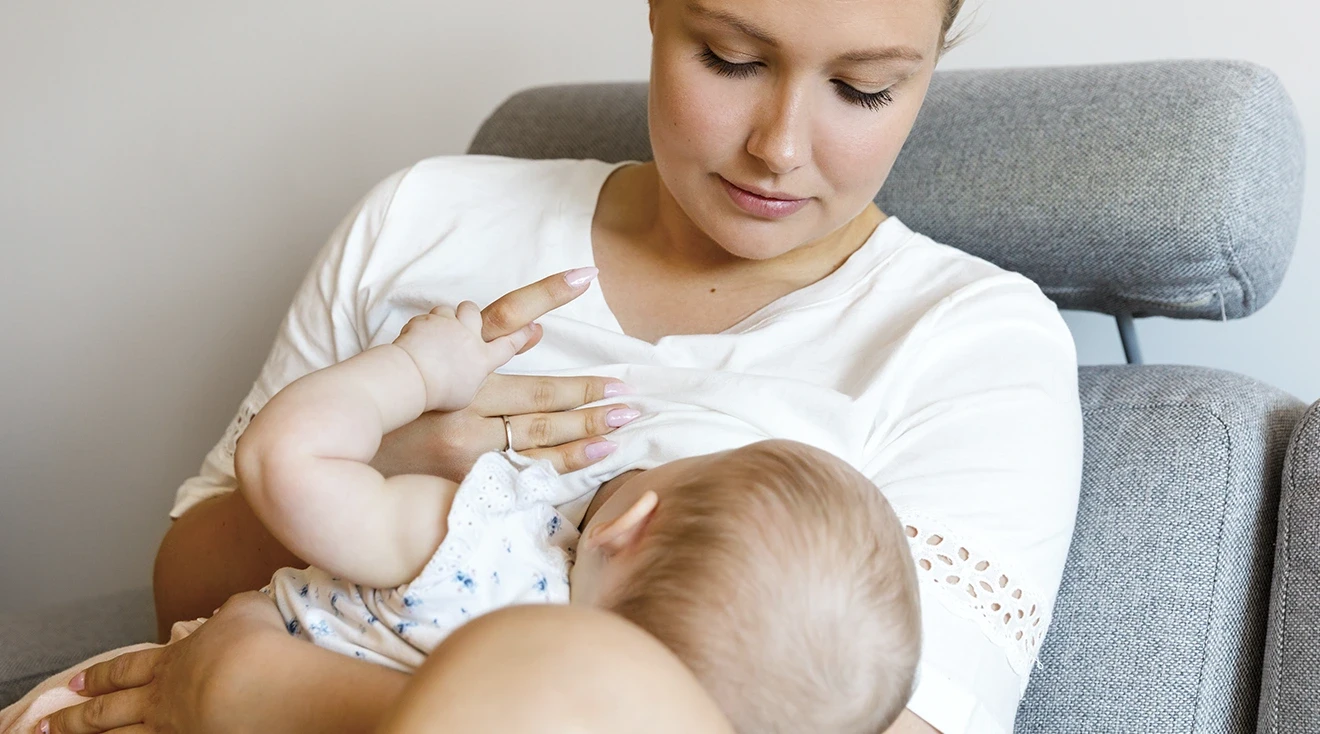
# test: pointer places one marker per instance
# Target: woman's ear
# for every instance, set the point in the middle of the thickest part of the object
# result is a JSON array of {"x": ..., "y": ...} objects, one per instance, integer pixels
[{"x": 624, "y": 530}]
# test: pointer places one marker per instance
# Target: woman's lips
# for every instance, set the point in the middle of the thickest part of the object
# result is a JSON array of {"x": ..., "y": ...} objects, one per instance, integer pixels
[{"x": 759, "y": 205}]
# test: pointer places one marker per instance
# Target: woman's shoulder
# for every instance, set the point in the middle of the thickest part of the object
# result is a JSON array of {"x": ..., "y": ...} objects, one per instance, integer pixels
[
  {"x": 939, "y": 281},
  {"x": 466, "y": 181}
]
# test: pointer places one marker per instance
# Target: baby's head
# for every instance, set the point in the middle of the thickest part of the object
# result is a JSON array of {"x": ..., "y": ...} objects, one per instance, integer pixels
[{"x": 776, "y": 572}]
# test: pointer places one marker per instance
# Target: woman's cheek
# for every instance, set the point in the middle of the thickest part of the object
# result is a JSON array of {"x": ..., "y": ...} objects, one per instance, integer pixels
[
  {"x": 697, "y": 114},
  {"x": 860, "y": 148},
  {"x": 856, "y": 167}
]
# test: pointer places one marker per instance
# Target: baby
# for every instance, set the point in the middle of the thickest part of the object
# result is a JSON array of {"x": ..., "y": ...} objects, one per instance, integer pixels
[{"x": 775, "y": 571}]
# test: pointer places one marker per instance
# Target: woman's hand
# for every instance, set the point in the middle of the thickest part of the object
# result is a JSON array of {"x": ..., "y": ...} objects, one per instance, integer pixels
[
  {"x": 186, "y": 686},
  {"x": 541, "y": 410}
]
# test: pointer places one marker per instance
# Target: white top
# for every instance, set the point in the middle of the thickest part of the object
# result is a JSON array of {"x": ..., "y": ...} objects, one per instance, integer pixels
[
  {"x": 947, "y": 380},
  {"x": 506, "y": 544}
]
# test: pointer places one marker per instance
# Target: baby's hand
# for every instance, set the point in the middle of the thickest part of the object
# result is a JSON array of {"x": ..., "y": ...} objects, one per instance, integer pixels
[{"x": 453, "y": 359}]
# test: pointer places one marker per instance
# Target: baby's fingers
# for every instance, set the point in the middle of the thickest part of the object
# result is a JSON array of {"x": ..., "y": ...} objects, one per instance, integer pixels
[
  {"x": 503, "y": 348},
  {"x": 469, "y": 315}
]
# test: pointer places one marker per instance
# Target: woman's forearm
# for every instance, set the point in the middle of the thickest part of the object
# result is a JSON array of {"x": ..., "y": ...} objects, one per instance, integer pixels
[{"x": 215, "y": 550}]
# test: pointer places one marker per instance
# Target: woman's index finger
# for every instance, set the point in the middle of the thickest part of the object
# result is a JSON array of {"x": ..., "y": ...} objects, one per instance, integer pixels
[
  {"x": 517, "y": 309},
  {"x": 129, "y": 670}
]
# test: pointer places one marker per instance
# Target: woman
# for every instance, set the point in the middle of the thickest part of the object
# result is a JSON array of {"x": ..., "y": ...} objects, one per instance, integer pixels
[{"x": 773, "y": 124}]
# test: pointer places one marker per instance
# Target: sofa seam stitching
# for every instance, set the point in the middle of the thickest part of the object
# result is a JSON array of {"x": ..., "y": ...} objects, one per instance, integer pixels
[
  {"x": 1286, "y": 557},
  {"x": 1219, "y": 559}
]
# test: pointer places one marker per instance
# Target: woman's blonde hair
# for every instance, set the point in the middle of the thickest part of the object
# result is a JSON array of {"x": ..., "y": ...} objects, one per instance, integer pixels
[{"x": 951, "y": 10}]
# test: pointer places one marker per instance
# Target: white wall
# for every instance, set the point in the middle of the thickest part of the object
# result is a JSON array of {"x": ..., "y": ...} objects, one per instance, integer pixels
[{"x": 167, "y": 170}]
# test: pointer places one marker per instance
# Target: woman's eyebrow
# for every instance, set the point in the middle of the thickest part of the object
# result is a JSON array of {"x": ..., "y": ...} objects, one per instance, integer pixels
[{"x": 888, "y": 53}]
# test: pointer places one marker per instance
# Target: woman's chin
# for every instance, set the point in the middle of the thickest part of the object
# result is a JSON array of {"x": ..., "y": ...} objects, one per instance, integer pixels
[{"x": 754, "y": 239}]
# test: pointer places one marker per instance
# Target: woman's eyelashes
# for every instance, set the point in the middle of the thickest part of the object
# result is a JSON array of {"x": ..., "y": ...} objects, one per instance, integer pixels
[
  {"x": 727, "y": 68},
  {"x": 870, "y": 100}
]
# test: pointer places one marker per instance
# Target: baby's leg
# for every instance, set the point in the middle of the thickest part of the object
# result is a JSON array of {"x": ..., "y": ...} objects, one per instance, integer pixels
[
  {"x": 547, "y": 668},
  {"x": 53, "y": 694}
]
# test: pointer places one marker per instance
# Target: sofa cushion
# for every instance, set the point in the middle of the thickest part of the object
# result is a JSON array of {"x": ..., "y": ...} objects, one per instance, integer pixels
[
  {"x": 36, "y": 645},
  {"x": 1290, "y": 690},
  {"x": 1159, "y": 623}
]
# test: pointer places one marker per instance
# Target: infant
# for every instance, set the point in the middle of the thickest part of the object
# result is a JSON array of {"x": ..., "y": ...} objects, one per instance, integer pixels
[{"x": 775, "y": 571}]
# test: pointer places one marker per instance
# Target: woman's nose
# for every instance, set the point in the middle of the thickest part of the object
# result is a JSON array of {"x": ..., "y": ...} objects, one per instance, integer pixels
[{"x": 780, "y": 136}]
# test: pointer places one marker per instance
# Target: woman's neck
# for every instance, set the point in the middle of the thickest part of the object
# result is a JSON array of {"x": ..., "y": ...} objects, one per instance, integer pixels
[{"x": 661, "y": 277}]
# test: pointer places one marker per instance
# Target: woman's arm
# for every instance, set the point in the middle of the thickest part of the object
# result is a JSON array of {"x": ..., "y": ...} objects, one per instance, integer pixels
[
  {"x": 239, "y": 672},
  {"x": 981, "y": 457},
  {"x": 215, "y": 550}
]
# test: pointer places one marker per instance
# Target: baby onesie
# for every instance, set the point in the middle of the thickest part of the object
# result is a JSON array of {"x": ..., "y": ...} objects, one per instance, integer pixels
[{"x": 506, "y": 545}]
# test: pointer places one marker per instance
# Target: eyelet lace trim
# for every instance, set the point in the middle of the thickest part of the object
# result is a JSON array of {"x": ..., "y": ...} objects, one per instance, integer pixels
[
  {"x": 977, "y": 588},
  {"x": 229, "y": 443}
]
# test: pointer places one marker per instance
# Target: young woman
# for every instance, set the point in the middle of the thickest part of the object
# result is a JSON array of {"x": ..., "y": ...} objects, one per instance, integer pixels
[{"x": 750, "y": 245}]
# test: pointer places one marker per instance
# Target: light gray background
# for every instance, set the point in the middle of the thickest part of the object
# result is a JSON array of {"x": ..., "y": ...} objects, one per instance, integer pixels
[{"x": 168, "y": 170}]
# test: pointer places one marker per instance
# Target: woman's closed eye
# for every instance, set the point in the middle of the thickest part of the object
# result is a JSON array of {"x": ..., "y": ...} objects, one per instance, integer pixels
[{"x": 870, "y": 100}]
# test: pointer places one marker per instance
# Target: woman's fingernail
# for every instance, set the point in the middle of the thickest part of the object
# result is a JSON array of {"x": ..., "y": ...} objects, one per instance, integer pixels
[
  {"x": 79, "y": 682},
  {"x": 600, "y": 449},
  {"x": 44, "y": 726},
  {"x": 614, "y": 389},
  {"x": 621, "y": 417},
  {"x": 580, "y": 277}
]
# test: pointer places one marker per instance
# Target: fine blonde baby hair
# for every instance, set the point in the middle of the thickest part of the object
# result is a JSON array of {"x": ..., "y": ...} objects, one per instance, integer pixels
[{"x": 783, "y": 579}]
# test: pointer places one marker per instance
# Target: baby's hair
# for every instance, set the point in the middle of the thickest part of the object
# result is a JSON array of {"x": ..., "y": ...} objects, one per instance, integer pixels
[{"x": 783, "y": 579}]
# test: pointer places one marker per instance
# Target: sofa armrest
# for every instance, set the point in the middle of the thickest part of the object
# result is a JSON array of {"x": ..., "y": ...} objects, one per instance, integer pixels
[
  {"x": 36, "y": 645},
  {"x": 1290, "y": 688},
  {"x": 1161, "y": 615}
]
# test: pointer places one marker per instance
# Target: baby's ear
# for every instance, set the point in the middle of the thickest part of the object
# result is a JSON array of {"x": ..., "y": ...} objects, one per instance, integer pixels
[{"x": 624, "y": 530}]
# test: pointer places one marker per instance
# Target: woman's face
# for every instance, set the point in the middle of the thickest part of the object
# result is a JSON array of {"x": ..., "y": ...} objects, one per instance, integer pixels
[{"x": 801, "y": 99}]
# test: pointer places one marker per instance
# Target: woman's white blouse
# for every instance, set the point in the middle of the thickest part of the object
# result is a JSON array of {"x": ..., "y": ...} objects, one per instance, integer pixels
[{"x": 950, "y": 382}]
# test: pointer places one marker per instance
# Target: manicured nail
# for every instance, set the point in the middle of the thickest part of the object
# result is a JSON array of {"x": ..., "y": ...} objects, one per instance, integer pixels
[
  {"x": 621, "y": 417},
  {"x": 45, "y": 726},
  {"x": 79, "y": 682},
  {"x": 580, "y": 277},
  {"x": 614, "y": 389},
  {"x": 600, "y": 449}
]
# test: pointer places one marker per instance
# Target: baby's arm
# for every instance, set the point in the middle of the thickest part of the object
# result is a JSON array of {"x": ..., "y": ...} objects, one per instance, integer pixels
[
  {"x": 302, "y": 466},
  {"x": 302, "y": 463}
]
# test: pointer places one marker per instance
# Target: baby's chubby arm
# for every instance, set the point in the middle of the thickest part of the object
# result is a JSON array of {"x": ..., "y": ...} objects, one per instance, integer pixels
[{"x": 302, "y": 464}]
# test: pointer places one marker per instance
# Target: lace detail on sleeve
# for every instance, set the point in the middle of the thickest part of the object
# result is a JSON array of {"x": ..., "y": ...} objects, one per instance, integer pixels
[
  {"x": 229, "y": 443},
  {"x": 979, "y": 588}
]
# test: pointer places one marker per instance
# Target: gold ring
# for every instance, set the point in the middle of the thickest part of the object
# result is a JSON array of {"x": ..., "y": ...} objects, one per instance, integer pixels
[{"x": 508, "y": 434}]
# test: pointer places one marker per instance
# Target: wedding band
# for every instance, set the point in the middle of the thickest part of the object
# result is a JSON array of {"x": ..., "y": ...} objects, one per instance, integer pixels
[{"x": 508, "y": 433}]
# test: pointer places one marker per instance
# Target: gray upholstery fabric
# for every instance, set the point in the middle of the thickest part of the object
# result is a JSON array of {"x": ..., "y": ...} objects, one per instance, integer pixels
[
  {"x": 35, "y": 646},
  {"x": 1160, "y": 621},
  {"x": 1170, "y": 189},
  {"x": 1290, "y": 690}
]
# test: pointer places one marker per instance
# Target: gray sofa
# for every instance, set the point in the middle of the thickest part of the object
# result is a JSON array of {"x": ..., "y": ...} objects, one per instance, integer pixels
[{"x": 1190, "y": 601}]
